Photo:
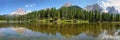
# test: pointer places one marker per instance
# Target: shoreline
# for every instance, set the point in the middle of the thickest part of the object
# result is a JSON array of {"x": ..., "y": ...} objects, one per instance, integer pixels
[{"x": 54, "y": 22}]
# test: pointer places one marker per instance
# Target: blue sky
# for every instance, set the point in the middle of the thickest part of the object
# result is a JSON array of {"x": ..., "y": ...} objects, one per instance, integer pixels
[{"x": 9, "y": 6}]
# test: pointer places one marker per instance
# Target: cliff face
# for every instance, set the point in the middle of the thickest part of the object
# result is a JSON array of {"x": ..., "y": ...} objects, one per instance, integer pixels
[
  {"x": 111, "y": 10},
  {"x": 94, "y": 7}
]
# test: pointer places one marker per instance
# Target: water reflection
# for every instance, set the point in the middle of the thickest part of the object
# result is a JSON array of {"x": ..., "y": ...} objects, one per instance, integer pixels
[
  {"x": 19, "y": 29},
  {"x": 106, "y": 36},
  {"x": 91, "y": 31},
  {"x": 14, "y": 34}
]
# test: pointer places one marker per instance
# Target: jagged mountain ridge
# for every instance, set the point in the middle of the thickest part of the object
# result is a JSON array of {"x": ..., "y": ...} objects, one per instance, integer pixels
[
  {"x": 94, "y": 7},
  {"x": 110, "y": 9}
]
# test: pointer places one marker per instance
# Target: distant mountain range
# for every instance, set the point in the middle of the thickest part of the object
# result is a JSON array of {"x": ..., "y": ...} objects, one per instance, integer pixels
[{"x": 110, "y": 9}]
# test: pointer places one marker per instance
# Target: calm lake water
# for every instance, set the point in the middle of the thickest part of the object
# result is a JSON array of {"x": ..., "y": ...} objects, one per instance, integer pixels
[{"x": 88, "y": 31}]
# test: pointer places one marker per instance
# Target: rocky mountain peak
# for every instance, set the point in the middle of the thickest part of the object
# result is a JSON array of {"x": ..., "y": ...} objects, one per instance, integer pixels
[
  {"x": 94, "y": 7},
  {"x": 111, "y": 9},
  {"x": 19, "y": 11},
  {"x": 67, "y": 4}
]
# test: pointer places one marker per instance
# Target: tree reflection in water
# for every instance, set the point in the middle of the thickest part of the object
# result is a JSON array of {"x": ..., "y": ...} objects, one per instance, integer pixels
[{"x": 87, "y": 31}]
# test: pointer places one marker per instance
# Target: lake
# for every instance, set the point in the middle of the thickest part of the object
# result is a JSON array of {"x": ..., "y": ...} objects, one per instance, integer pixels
[{"x": 34, "y": 31}]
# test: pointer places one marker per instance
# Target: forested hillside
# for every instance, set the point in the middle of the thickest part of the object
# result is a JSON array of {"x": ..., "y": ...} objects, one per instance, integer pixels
[{"x": 67, "y": 13}]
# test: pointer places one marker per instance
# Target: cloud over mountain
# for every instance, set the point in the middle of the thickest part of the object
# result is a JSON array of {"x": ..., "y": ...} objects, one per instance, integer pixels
[{"x": 109, "y": 3}]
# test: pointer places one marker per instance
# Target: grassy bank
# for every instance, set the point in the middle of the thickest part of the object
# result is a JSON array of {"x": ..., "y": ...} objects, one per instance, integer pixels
[{"x": 59, "y": 21}]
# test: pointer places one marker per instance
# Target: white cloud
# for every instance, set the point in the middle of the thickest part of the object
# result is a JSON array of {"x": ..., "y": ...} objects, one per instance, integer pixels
[
  {"x": 28, "y": 11},
  {"x": 107, "y": 3},
  {"x": 30, "y": 5}
]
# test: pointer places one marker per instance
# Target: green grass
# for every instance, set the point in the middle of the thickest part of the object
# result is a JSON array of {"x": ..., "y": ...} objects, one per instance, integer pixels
[
  {"x": 58, "y": 21},
  {"x": 2, "y": 21}
]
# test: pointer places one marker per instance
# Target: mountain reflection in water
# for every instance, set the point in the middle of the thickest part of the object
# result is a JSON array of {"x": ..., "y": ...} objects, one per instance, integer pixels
[
  {"x": 92, "y": 31},
  {"x": 106, "y": 36}
]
